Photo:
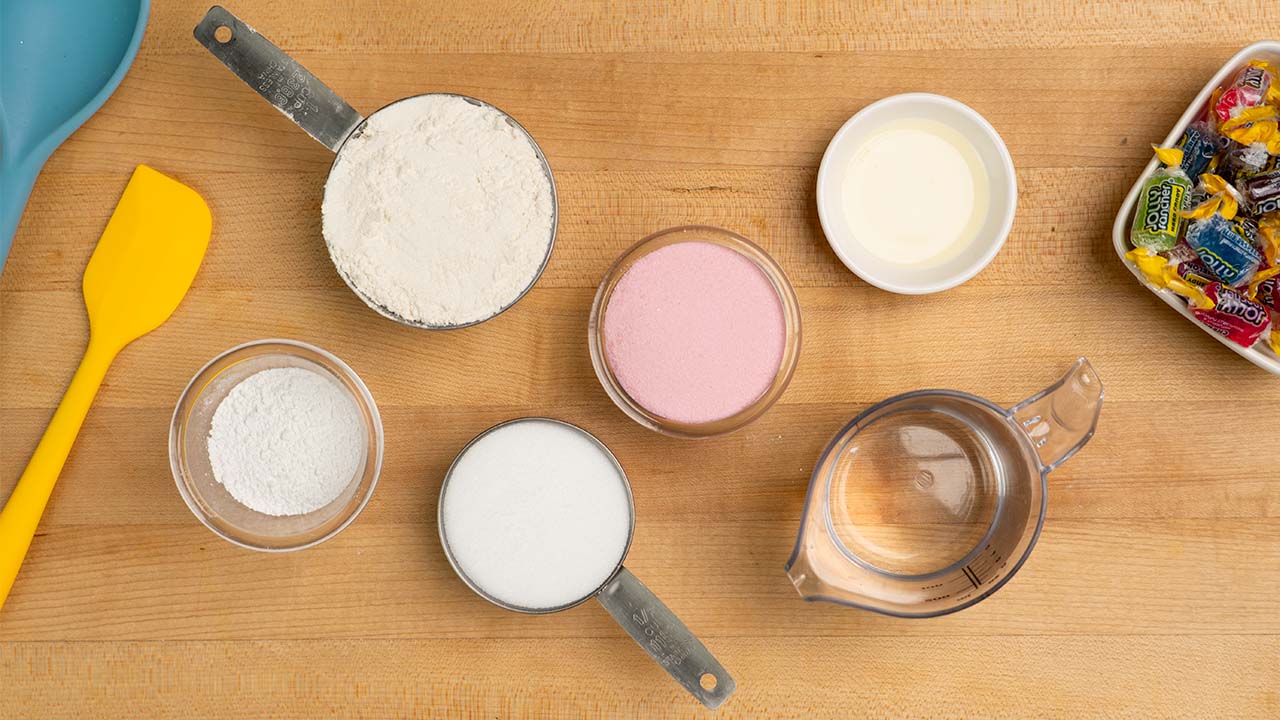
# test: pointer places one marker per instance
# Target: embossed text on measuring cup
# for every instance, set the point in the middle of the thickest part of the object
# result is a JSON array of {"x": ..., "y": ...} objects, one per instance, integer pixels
[
  {"x": 663, "y": 649},
  {"x": 285, "y": 84}
]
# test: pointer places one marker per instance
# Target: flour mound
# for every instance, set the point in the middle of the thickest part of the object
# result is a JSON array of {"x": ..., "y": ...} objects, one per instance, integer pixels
[
  {"x": 439, "y": 210},
  {"x": 286, "y": 441}
]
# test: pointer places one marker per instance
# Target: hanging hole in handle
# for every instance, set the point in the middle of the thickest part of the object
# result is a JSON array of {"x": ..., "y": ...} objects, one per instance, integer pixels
[
  {"x": 708, "y": 682},
  {"x": 222, "y": 34}
]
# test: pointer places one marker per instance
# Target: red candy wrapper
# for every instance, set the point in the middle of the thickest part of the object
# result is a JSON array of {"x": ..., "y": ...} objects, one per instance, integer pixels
[
  {"x": 1249, "y": 89},
  {"x": 1196, "y": 273},
  {"x": 1182, "y": 252},
  {"x": 1233, "y": 316},
  {"x": 1269, "y": 293}
]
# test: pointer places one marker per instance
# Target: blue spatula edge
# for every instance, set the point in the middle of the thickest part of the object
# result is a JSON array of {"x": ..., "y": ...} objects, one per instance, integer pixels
[{"x": 18, "y": 182}]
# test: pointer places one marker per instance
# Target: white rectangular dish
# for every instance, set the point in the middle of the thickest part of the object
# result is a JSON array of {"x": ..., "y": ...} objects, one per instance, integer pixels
[{"x": 1260, "y": 354}]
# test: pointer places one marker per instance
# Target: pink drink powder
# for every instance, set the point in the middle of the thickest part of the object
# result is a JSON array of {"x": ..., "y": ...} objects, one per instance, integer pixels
[{"x": 694, "y": 332}]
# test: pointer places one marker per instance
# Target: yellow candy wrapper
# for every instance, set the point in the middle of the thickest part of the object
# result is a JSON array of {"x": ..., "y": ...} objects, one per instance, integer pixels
[
  {"x": 1259, "y": 124},
  {"x": 1264, "y": 64},
  {"x": 1170, "y": 157},
  {"x": 1161, "y": 274},
  {"x": 1222, "y": 199},
  {"x": 1269, "y": 237},
  {"x": 1259, "y": 278}
]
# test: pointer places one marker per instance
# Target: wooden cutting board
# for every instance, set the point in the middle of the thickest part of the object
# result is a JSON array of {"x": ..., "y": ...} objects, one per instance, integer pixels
[{"x": 1154, "y": 591}]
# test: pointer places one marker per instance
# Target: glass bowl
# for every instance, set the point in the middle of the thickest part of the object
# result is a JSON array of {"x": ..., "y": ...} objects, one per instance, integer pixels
[
  {"x": 745, "y": 248},
  {"x": 210, "y": 501}
]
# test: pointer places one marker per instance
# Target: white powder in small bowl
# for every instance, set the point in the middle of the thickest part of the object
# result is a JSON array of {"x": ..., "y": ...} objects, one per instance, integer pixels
[
  {"x": 286, "y": 441},
  {"x": 439, "y": 210}
]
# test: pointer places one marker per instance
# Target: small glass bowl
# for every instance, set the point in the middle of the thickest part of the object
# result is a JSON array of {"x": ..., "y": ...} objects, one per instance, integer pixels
[
  {"x": 723, "y": 238},
  {"x": 210, "y": 501}
]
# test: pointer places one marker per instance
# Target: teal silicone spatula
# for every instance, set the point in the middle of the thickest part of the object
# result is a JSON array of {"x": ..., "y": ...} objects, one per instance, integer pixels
[{"x": 59, "y": 61}]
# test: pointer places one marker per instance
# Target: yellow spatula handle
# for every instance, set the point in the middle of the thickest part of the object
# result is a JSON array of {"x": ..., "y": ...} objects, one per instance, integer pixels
[{"x": 21, "y": 515}]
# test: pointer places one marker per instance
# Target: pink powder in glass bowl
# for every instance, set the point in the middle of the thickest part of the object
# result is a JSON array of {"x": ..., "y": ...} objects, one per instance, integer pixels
[{"x": 699, "y": 331}]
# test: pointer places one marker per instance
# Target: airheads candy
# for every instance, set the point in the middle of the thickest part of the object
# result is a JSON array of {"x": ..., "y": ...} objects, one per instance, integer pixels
[{"x": 1233, "y": 316}]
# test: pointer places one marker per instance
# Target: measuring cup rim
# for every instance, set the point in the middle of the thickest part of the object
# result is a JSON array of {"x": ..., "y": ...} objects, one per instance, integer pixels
[
  {"x": 836, "y": 441},
  {"x": 551, "y": 242},
  {"x": 448, "y": 552}
]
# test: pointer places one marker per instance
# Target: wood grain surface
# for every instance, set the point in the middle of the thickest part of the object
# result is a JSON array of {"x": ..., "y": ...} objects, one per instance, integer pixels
[{"x": 1154, "y": 590}]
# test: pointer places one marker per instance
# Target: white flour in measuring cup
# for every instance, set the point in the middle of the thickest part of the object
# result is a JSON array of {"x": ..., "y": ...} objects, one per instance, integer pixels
[{"x": 439, "y": 210}]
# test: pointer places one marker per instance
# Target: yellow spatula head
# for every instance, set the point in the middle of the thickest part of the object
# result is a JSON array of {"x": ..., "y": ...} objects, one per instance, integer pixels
[
  {"x": 143, "y": 265},
  {"x": 147, "y": 257}
]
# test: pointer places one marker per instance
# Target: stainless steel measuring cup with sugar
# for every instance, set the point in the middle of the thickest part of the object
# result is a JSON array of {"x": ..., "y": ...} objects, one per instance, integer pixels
[
  {"x": 327, "y": 118},
  {"x": 506, "y": 532},
  {"x": 930, "y": 501}
]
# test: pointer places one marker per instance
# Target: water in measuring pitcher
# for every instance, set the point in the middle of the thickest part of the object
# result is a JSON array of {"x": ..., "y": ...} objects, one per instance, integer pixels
[{"x": 917, "y": 489}]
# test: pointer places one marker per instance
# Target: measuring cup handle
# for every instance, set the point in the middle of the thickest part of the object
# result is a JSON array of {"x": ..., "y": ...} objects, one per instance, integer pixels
[
  {"x": 278, "y": 78},
  {"x": 656, "y": 629}
]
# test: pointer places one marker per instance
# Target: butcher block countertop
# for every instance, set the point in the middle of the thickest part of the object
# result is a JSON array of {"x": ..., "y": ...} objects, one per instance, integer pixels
[{"x": 1154, "y": 590}]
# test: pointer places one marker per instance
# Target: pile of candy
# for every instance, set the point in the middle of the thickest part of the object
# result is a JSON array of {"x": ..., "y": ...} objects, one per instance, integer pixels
[{"x": 1207, "y": 224}]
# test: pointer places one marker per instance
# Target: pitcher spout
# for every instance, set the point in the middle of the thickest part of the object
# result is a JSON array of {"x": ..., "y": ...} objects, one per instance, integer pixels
[
  {"x": 802, "y": 574},
  {"x": 1060, "y": 419}
]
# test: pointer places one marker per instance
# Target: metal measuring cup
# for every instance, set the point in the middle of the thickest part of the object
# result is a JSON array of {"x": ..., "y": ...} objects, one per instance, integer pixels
[
  {"x": 318, "y": 110},
  {"x": 633, "y": 606}
]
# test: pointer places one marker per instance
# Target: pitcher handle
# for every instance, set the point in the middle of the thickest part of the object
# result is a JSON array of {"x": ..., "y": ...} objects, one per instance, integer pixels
[
  {"x": 278, "y": 78},
  {"x": 1060, "y": 419}
]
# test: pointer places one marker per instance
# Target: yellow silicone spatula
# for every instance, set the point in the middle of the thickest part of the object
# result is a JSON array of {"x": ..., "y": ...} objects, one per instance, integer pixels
[{"x": 141, "y": 269}]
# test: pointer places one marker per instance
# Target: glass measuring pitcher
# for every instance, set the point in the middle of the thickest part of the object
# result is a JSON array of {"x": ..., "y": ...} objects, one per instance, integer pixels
[{"x": 930, "y": 501}]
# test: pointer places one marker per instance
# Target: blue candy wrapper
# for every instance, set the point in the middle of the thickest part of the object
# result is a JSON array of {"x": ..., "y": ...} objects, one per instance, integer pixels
[
  {"x": 1226, "y": 248},
  {"x": 1199, "y": 144}
]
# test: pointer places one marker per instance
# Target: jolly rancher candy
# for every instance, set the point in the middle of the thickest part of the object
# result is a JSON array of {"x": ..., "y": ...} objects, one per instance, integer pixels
[
  {"x": 1263, "y": 192},
  {"x": 1249, "y": 89},
  {"x": 1245, "y": 161},
  {"x": 1233, "y": 316},
  {"x": 1165, "y": 273},
  {"x": 1200, "y": 144},
  {"x": 1157, "y": 222},
  {"x": 1267, "y": 293},
  {"x": 1255, "y": 125},
  {"x": 1195, "y": 272},
  {"x": 1226, "y": 248},
  {"x": 1213, "y": 195}
]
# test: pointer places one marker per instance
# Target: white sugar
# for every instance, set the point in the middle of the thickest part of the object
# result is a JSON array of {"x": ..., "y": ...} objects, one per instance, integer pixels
[
  {"x": 286, "y": 441},
  {"x": 536, "y": 514}
]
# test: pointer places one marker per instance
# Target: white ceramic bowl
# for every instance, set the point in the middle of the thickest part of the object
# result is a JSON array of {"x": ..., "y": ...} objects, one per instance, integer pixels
[
  {"x": 1259, "y": 354},
  {"x": 918, "y": 280}
]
